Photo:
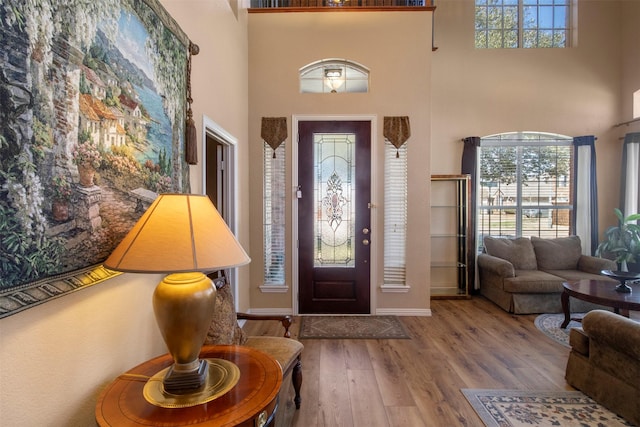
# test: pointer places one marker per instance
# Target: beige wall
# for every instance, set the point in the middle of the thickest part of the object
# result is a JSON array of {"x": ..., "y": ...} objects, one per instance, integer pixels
[
  {"x": 56, "y": 358},
  {"x": 572, "y": 91},
  {"x": 220, "y": 92},
  {"x": 630, "y": 62},
  {"x": 396, "y": 47}
]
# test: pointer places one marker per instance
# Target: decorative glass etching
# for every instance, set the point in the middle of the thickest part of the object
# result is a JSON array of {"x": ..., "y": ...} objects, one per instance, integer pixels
[
  {"x": 334, "y": 201},
  {"x": 334, "y": 193}
]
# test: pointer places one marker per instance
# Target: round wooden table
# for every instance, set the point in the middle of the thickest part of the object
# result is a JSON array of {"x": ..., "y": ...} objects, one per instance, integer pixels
[
  {"x": 600, "y": 292},
  {"x": 251, "y": 402}
]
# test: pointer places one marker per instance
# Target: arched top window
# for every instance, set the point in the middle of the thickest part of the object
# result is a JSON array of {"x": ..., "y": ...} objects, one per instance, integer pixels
[{"x": 334, "y": 76}]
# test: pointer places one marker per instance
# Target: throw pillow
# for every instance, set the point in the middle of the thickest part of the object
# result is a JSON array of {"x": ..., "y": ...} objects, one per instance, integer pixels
[
  {"x": 562, "y": 253},
  {"x": 224, "y": 328},
  {"x": 518, "y": 252}
]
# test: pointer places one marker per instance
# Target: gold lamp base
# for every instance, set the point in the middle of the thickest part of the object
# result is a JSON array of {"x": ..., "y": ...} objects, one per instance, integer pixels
[
  {"x": 222, "y": 376},
  {"x": 184, "y": 305}
]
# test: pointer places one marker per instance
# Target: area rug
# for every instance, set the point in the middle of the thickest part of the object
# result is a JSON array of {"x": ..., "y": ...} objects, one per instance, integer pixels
[
  {"x": 348, "y": 327},
  {"x": 506, "y": 408},
  {"x": 549, "y": 324}
]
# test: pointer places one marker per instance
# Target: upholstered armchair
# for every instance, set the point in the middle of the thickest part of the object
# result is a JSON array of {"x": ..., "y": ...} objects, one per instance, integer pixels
[
  {"x": 287, "y": 351},
  {"x": 604, "y": 362}
]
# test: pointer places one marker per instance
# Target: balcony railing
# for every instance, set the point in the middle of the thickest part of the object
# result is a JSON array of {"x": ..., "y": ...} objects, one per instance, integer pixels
[{"x": 347, "y": 4}]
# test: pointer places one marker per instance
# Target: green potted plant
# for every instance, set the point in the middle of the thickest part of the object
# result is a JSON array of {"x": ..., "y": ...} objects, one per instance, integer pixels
[{"x": 622, "y": 241}]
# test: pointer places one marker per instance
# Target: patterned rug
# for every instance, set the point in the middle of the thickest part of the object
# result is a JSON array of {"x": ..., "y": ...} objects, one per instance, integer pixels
[
  {"x": 507, "y": 408},
  {"x": 364, "y": 327},
  {"x": 549, "y": 324}
]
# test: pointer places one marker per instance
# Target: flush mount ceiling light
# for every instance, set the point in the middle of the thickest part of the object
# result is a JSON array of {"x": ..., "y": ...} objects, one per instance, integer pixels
[
  {"x": 333, "y": 79},
  {"x": 332, "y": 72}
]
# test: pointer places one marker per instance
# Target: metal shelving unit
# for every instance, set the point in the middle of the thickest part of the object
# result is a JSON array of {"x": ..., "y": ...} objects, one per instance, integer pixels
[{"x": 450, "y": 236}]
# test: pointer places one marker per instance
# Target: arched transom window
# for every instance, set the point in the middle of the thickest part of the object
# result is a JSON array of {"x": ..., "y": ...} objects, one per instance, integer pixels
[{"x": 334, "y": 76}]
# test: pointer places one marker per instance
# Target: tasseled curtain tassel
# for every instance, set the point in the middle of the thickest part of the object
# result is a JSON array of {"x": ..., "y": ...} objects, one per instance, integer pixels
[{"x": 191, "y": 136}]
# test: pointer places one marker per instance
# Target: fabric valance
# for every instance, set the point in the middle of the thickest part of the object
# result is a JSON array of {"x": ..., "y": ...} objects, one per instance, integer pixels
[
  {"x": 397, "y": 130},
  {"x": 274, "y": 131}
]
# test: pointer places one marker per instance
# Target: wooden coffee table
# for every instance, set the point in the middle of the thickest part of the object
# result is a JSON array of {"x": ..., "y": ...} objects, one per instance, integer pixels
[{"x": 600, "y": 292}]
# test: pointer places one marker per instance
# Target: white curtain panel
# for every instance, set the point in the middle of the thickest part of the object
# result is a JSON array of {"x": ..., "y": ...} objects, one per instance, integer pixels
[
  {"x": 631, "y": 183},
  {"x": 583, "y": 197}
]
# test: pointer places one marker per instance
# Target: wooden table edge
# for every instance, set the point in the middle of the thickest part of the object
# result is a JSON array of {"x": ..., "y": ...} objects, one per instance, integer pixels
[{"x": 209, "y": 351}]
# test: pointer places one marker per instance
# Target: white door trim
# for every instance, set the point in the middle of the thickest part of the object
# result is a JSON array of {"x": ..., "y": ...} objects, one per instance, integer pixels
[
  {"x": 229, "y": 193},
  {"x": 295, "y": 119}
]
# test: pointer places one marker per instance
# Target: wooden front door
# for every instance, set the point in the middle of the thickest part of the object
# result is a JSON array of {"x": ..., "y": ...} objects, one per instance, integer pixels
[{"x": 334, "y": 230}]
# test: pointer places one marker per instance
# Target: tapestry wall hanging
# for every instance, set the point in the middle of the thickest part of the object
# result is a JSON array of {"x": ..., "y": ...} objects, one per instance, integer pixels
[{"x": 92, "y": 124}]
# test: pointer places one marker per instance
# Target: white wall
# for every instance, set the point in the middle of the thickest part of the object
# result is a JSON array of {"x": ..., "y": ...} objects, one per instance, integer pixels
[{"x": 56, "y": 358}]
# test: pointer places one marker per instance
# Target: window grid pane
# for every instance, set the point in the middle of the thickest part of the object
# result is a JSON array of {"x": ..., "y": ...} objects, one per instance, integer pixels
[
  {"x": 525, "y": 184},
  {"x": 274, "y": 214},
  {"x": 395, "y": 214},
  {"x": 521, "y": 23}
]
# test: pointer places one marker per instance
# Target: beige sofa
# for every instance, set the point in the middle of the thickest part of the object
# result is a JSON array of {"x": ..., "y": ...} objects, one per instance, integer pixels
[
  {"x": 604, "y": 362},
  {"x": 524, "y": 275}
]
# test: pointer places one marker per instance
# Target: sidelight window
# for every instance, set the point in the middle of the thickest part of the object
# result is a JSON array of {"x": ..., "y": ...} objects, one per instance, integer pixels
[
  {"x": 274, "y": 214},
  {"x": 395, "y": 214}
]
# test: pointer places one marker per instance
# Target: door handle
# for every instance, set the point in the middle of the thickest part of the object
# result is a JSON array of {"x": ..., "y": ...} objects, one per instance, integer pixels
[{"x": 365, "y": 242}]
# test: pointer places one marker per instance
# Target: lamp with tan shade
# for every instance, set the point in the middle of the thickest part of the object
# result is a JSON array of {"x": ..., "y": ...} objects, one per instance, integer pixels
[{"x": 184, "y": 236}]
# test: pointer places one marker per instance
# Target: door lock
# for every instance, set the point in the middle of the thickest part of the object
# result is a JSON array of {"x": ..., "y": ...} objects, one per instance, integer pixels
[{"x": 365, "y": 231}]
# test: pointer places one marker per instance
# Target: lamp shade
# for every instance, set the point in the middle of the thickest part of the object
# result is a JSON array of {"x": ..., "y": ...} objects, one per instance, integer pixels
[{"x": 178, "y": 233}]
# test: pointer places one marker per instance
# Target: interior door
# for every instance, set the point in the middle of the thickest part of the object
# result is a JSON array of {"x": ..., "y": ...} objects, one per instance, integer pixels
[
  {"x": 214, "y": 172},
  {"x": 334, "y": 230},
  {"x": 216, "y": 183}
]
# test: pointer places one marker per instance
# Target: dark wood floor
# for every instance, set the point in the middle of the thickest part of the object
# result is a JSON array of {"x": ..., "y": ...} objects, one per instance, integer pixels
[{"x": 417, "y": 382}]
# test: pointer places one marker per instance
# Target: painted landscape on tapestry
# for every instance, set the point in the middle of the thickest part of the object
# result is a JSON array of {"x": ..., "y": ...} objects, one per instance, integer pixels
[{"x": 92, "y": 112}]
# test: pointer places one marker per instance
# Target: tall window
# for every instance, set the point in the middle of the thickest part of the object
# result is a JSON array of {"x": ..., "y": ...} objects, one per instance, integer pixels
[
  {"x": 395, "y": 214},
  {"x": 274, "y": 214},
  {"x": 522, "y": 23},
  {"x": 524, "y": 185}
]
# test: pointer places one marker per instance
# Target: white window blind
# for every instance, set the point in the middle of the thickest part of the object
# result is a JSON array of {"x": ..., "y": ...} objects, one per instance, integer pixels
[
  {"x": 395, "y": 214},
  {"x": 274, "y": 214},
  {"x": 524, "y": 186}
]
